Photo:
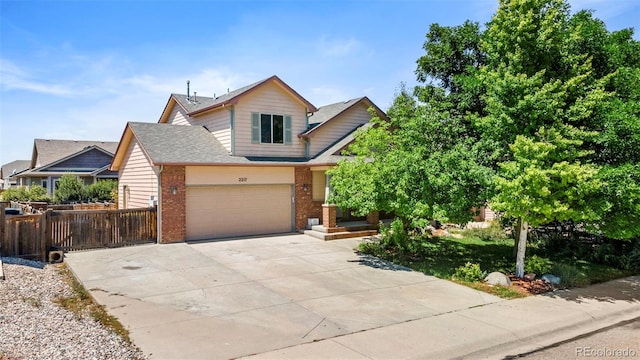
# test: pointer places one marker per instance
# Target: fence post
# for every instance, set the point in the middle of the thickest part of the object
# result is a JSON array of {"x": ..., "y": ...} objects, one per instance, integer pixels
[
  {"x": 2, "y": 225},
  {"x": 45, "y": 233}
]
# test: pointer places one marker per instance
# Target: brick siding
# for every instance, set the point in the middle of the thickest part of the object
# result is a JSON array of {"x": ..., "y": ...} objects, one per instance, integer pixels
[
  {"x": 174, "y": 226},
  {"x": 305, "y": 206}
]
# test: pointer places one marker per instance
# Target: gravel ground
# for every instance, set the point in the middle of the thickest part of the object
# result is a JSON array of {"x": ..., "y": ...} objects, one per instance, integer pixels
[{"x": 33, "y": 326}]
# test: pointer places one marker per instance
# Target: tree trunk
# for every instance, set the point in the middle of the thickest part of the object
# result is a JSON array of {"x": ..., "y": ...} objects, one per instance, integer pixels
[
  {"x": 517, "y": 231},
  {"x": 522, "y": 247}
]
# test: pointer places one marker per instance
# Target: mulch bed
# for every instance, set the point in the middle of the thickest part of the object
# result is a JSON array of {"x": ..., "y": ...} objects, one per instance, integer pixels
[{"x": 533, "y": 287}]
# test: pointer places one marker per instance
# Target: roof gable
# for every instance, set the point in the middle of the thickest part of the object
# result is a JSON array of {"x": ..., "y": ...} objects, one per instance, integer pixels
[
  {"x": 47, "y": 151},
  {"x": 196, "y": 105},
  {"x": 328, "y": 113}
]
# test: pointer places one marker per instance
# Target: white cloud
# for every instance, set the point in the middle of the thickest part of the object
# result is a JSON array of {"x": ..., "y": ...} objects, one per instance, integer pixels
[
  {"x": 14, "y": 77},
  {"x": 337, "y": 47}
]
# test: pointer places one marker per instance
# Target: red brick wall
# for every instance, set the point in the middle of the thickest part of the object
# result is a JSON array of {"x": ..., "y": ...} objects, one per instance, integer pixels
[
  {"x": 173, "y": 206},
  {"x": 305, "y": 206}
]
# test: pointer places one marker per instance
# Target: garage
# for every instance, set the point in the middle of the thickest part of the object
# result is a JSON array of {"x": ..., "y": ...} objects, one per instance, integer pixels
[{"x": 218, "y": 211}]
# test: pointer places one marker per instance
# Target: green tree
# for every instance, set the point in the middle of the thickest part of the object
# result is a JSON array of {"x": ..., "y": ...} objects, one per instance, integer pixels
[
  {"x": 417, "y": 165},
  {"x": 69, "y": 189}
]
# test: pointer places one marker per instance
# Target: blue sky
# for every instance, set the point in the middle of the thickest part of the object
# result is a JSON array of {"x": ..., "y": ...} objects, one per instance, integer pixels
[{"x": 80, "y": 70}]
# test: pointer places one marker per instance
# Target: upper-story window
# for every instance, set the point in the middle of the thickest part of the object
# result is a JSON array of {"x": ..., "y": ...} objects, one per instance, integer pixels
[{"x": 270, "y": 129}]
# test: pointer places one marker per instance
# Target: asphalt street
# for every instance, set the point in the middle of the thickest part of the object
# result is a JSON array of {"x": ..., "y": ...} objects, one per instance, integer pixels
[{"x": 619, "y": 341}]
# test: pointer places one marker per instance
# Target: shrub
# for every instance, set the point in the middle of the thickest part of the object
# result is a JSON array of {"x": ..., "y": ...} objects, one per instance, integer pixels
[
  {"x": 38, "y": 193},
  {"x": 15, "y": 194},
  {"x": 570, "y": 276},
  {"x": 102, "y": 190},
  {"x": 537, "y": 265},
  {"x": 69, "y": 189},
  {"x": 492, "y": 233},
  {"x": 633, "y": 260},
  {"x": 469, "y": 272}
]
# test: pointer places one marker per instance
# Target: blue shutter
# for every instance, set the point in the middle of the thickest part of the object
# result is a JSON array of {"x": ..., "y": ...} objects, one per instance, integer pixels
[
  {"x": 255, "y": 128},
  {"x": 287, "y": 129}
]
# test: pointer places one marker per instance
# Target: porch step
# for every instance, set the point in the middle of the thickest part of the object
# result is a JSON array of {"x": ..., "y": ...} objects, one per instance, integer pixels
[
  {"x": 326, "y": 236},
  {"x": 344, "y": 228}
]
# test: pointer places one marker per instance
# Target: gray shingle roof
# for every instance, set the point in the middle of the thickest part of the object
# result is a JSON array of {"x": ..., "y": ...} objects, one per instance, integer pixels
[
  {"x": 47, "y": 151},
  {"x": 200, "y": 103},
  {"x": 331, "y": 154},
  {"x": 330, "y": 111},
  {"x": 17, "y": 166},
  {"x": 190, "y": 145}
]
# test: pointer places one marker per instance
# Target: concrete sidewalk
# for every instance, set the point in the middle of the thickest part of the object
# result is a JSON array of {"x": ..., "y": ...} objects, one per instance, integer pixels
[
  {"x": 296, "y": 297},
  {"x": 494, "y": 331}
]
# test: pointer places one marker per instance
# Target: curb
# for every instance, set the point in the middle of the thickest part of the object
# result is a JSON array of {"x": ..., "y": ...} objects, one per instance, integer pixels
[{"x": 526, "y": 345}]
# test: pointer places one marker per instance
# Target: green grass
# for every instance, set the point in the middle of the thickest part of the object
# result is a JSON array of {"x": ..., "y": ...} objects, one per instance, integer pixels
[{"x": 441, "y": 256}]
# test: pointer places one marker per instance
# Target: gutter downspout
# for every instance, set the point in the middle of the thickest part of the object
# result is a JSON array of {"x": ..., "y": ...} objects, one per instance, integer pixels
[
  {"x": 232, "y": 120},
  {"x": 159, "y": 207}
]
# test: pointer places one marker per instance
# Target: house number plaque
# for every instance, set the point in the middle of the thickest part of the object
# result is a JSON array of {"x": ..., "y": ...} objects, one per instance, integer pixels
[{"x": 242, "y": 179}]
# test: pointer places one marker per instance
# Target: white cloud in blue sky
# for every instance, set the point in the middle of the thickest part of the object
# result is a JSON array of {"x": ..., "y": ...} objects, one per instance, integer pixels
[{"x": 81, "y": 70}]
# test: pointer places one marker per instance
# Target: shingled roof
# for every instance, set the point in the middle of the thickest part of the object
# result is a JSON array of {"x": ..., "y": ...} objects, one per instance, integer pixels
[
  {"x": 16, "y": 166},
  {"x": 167, "y": 144},
  {"x": 195, "y": 105},
  {"x": 46, "y": 151},
  {"x": 329, "y": 112}
]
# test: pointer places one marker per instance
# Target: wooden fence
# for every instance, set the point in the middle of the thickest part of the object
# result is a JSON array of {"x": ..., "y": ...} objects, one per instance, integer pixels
[{"x": 32, "y": 236}]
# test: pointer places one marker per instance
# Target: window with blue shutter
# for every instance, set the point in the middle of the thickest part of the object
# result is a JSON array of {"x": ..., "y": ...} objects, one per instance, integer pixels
[
  {"x": 287, "y": 129},
  {"x": 255, "y": 128},
  {"x": 270, "y": 129}
]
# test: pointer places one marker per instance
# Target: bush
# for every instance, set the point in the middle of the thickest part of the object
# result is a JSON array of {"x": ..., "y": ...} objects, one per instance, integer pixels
[
  {"x": 537, "y": 265},
  {"x": 570, "y": 276},
  {"x": 35, "y": 193},
  {"x": 492, "y": 233},
  {"x": 633, "y": 260},
  {"x": 69, "y": 189},
  {"x": 102, "y": 190},
  {"x": 469, "y": 272}
]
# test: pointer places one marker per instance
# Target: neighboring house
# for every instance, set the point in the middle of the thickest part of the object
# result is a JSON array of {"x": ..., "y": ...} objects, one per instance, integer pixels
[
  {"x": 9, "y": 171},
  {"x": 88, "y": 160},
  {"x": 248, "y": 162}
]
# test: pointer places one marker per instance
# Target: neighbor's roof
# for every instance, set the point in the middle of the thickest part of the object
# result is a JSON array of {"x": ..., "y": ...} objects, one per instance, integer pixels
[
  {"x": 14, "y": 167},
  {"x": 46, "y": 151},
  {"x": 327, "y": 113},
  {"x": 195, "y": 105}
]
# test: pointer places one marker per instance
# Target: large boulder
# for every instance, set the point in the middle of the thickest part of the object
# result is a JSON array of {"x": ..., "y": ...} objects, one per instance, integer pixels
[{"x": 497, "y": 278}]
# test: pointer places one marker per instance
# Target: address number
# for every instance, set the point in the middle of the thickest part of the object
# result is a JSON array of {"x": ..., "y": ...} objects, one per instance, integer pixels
[{"x": 242, "y": 179}]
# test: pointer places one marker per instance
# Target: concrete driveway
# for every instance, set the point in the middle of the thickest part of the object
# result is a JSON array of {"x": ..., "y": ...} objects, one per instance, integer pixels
[{"x": 234, "y": 298}]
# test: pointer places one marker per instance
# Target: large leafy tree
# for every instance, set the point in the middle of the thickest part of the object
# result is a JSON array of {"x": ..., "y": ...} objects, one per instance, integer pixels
[
  {"x": 548, "y": 100},
  {"x": 412, "y": 166}
]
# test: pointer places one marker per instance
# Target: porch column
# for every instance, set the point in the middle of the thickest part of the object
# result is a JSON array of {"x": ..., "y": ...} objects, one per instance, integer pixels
[
  {"x": 327, "y": 187},
  {"x": 328, "y": 215}
]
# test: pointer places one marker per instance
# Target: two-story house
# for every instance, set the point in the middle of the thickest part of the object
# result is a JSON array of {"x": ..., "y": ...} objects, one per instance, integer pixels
[{"x": 248, "y": 162}]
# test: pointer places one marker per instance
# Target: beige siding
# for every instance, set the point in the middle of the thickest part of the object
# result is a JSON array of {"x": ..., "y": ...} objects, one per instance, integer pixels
[
  {"x": 338, "y": 127},
  {"x": 269, "y": 99},
  {"x": 318, "y": 183},
  {"x": 238, "y": 175},
  {"x": 177, "y": 116},
  {"x": 219, "y": 124},
  {"x": 139, "y": 176}
]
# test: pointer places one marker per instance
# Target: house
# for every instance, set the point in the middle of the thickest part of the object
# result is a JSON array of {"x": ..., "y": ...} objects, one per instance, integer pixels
[
  {"x": 251, "y": 161},
  {"x": 10, "y": 170},
  {"x": 88, "y": 160}
]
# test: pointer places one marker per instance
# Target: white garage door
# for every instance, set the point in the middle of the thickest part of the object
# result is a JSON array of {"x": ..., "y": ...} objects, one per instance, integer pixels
[{"x": 224, "y": 211}]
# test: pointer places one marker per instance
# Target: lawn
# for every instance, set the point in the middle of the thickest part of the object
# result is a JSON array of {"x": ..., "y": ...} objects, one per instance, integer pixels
[{"x": 492, "y": 250}]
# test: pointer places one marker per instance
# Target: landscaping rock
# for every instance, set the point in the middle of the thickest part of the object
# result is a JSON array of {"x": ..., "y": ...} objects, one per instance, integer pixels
[
  {"x": 552, "y": 279},
  {"x": 497, "y": 278},
  {"x": 530, "y": 276}
]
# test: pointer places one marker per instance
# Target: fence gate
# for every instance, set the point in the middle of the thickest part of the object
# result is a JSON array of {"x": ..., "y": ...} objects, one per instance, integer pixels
[{"x": 32, "y": 236}]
